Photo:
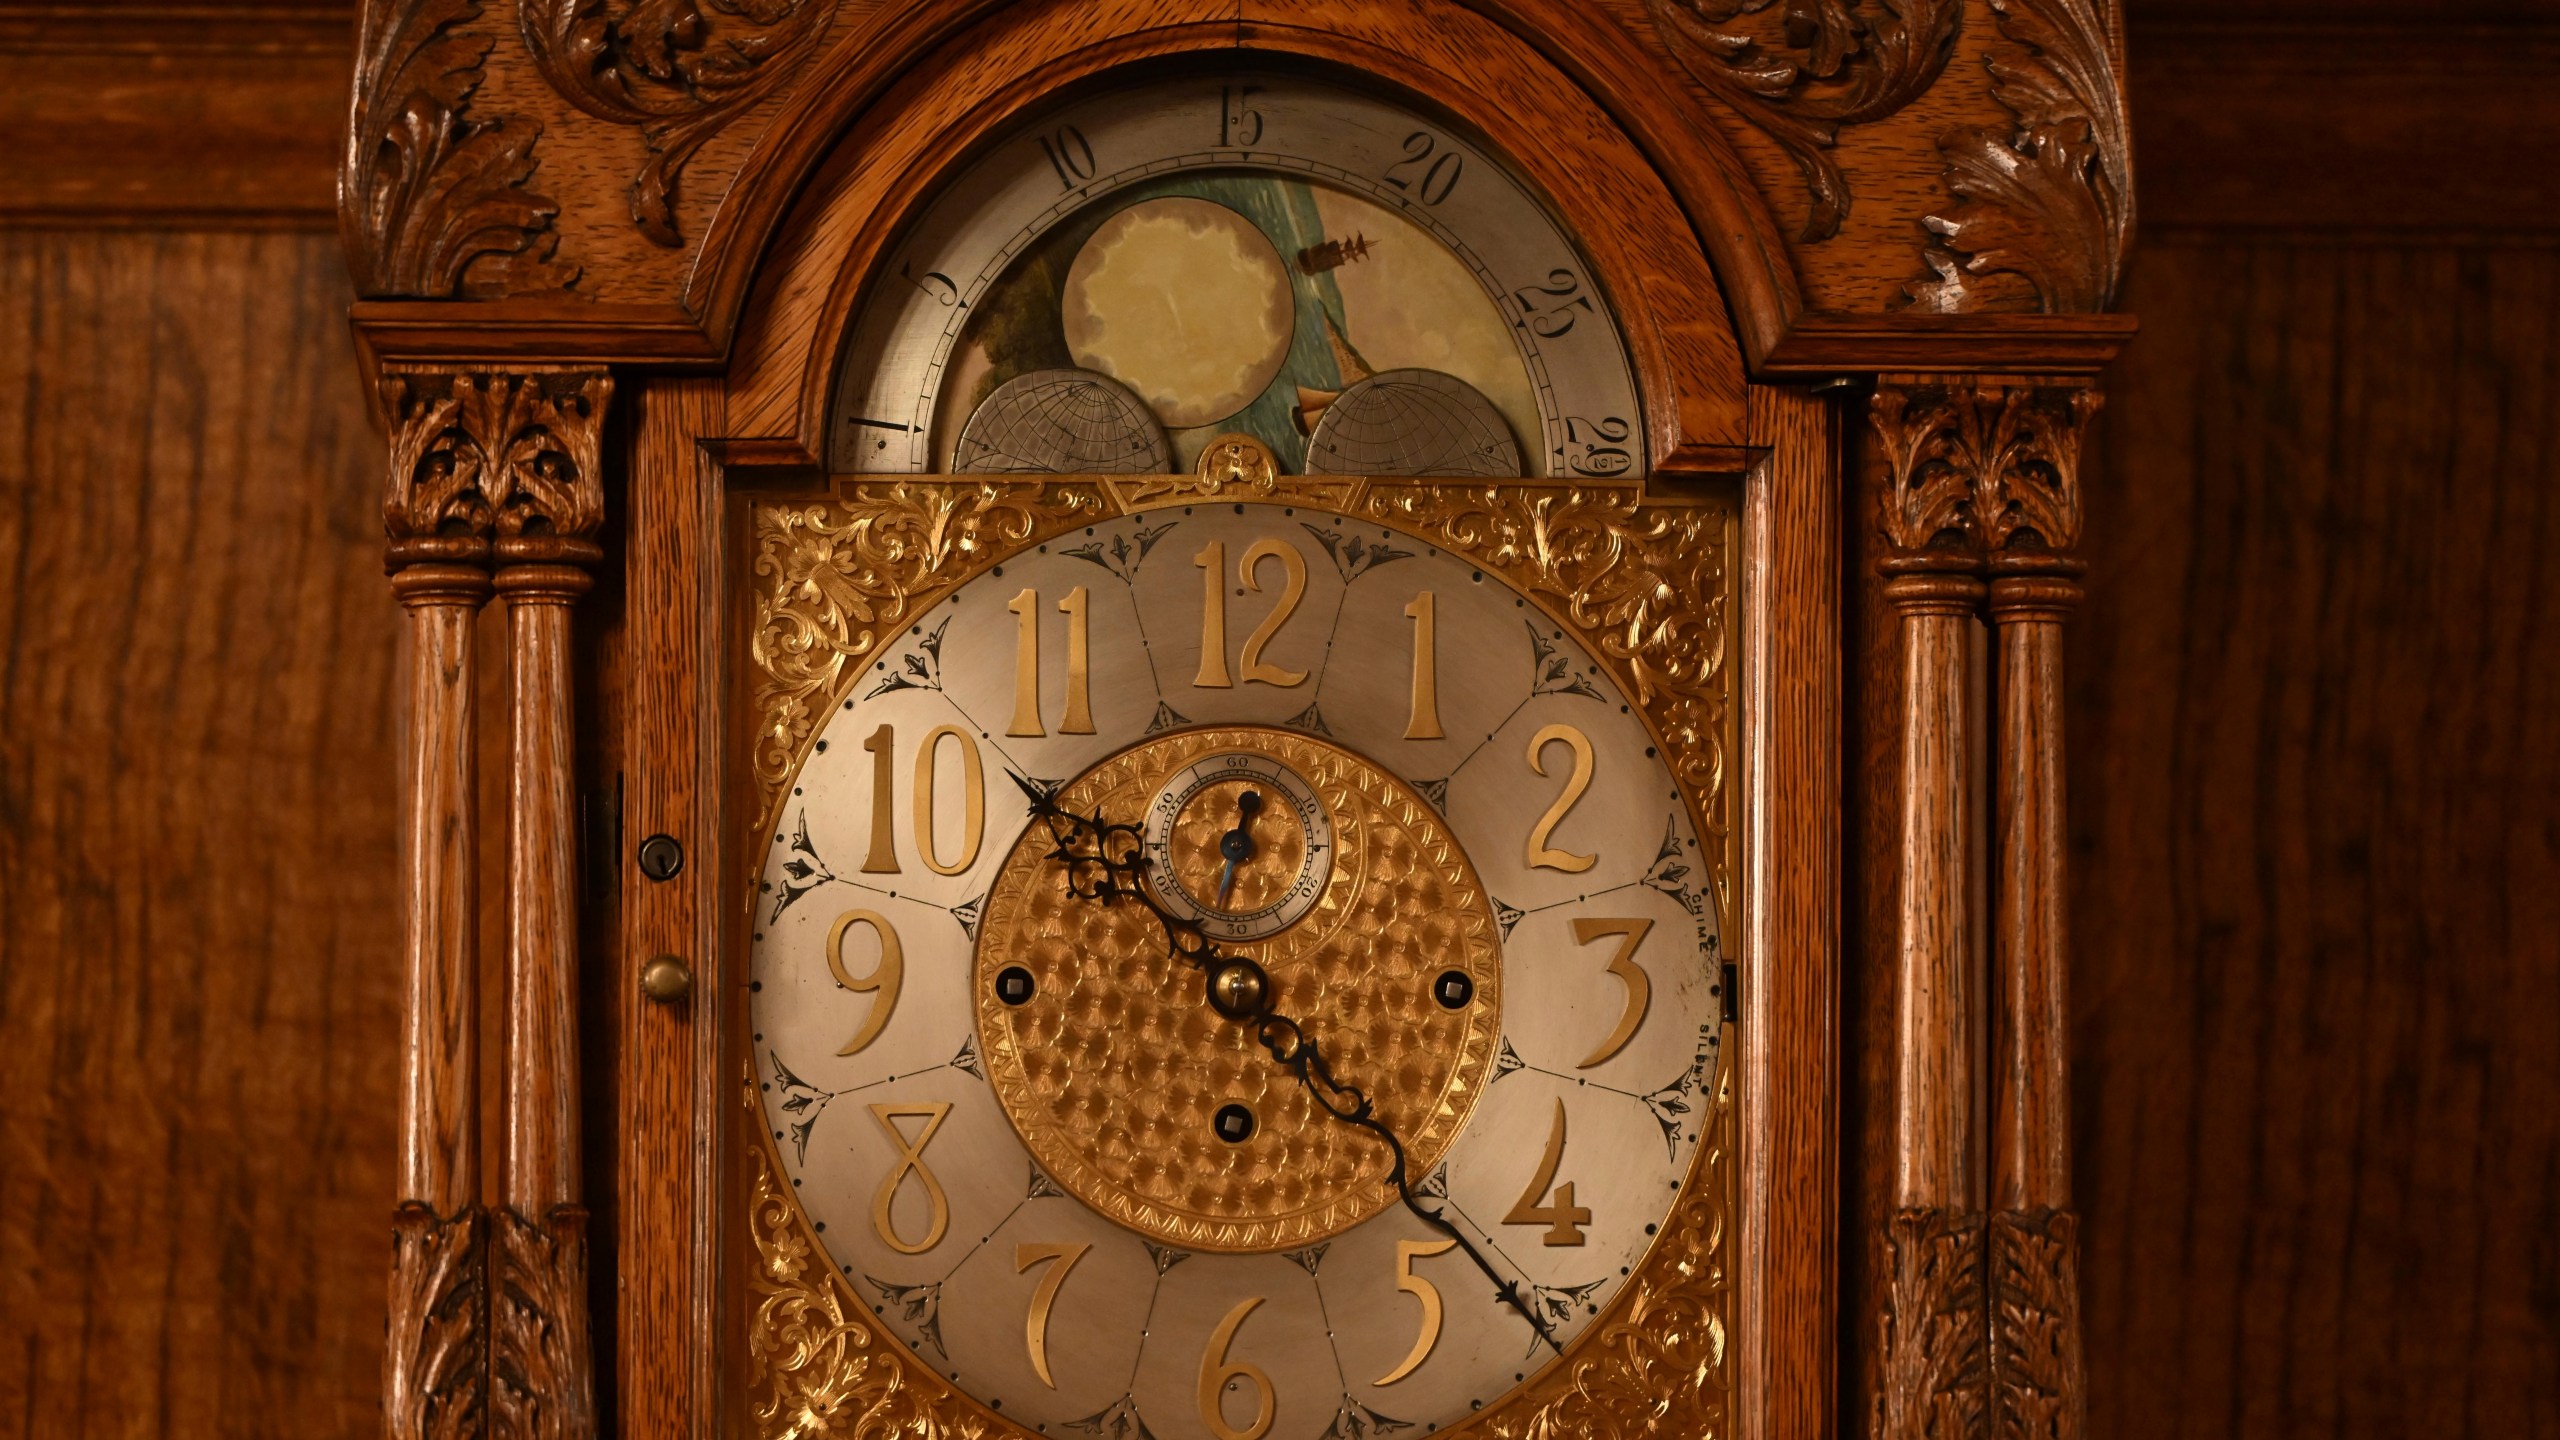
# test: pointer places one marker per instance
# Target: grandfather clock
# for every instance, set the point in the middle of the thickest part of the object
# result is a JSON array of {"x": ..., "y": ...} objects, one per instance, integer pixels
[{"x": 1179, "y": 718}]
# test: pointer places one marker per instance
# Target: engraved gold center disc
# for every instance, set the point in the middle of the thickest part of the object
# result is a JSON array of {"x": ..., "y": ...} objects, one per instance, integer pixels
[{"x": 1115, "y": 1070}]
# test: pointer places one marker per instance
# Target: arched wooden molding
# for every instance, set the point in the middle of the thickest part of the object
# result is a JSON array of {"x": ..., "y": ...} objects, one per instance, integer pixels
[
  {"x": 489, "y": 1329},
  {"x": 1976, "y": 482}
]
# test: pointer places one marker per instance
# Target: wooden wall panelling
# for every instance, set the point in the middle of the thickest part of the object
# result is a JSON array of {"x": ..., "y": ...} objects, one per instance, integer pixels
[
  {"x": 199, "y": 973},
  {"x": 1789, "y": 1004},
  {"x": 170, "y": 114},
  {"x": 2315, "y": 760},
  {"x": 675, "y": 1116}
]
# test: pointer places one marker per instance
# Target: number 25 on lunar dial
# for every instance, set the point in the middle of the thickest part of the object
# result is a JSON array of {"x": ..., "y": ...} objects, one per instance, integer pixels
[{"x": 1101, "y": 884}]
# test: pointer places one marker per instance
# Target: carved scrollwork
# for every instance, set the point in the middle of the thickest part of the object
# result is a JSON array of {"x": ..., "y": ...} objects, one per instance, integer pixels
[
  {"x": 1834, "y": 63},
  {"x": 1980, "y": 468},
  {"x": 434, "y": 203},
  {"x": 514, "y": 452},
  {"x": 1931, "y": 1353},
  {"x": 2035, "y": 1326},
  {"x": 436, "y": 1344},
  {"x": 2050, "y": 199},
  {"x": 678, "y": 70},
  {"x": 541, "y": 1380}
]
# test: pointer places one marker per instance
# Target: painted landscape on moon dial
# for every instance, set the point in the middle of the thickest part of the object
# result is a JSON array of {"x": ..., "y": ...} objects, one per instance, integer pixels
[
  {"x": 907, "y": 930},
  {"x": 1239, "y": 302}
]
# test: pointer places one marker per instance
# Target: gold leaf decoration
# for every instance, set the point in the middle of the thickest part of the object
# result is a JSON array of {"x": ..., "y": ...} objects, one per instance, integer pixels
[
  {"x": 1645, "y": 586},
  {"x": 836, "y": 579}
]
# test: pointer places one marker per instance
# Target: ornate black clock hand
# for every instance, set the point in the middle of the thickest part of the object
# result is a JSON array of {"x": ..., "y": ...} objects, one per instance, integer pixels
[
  {"x": 1104, "y": 860},
  {"x": 1237, "y": 844}
]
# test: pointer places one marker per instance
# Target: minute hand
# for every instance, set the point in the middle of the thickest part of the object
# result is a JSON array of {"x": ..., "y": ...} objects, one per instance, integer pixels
[{"x": 1105, "y": 860}]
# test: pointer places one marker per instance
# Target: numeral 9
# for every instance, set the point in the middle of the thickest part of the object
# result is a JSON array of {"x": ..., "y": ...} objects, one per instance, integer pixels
[{"x": 887, "y": 977}]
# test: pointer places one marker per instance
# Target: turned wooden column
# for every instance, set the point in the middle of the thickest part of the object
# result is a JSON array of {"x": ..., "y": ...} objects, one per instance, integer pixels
[
  {"x": 541, "y": 1364},
  {"x": 488, "y": 1330},
  {"x": 1978, "y": 1324},
  {"x": 438, "y": 518},
  {"x": 2032, "y": 521},
  {"x": 1931, "y": 1359}
]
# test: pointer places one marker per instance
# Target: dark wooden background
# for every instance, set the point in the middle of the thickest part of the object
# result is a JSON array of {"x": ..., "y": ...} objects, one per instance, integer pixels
[{"x": 2315, "y": 721}]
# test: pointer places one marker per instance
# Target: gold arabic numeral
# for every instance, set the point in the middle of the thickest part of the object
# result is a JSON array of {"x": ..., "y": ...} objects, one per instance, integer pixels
[
  {"x": 883, "y": 859},
  {"x": 1564, "y": 1219},
  {"x": 1408, "y": 1251},
  {"x": 1216, "y": 1370},
  {"x": 1623, "y": 965},
  {"x": 1078, "y": 608},
  {"x": 973, "y": 800},
  {"x": 1070, "y": 154},
  {"x": 1060, "y": 1258},
  {"x": 886, "y": 978},
  {"x": 1212, "y": 561},
  {"x": 1424, "y": 721},
  {"x": 1026, "y": 666},
  {"x": 1293, "y": 567},
  {"x": 910, "y": 1159},
  {"x": 1541, "y": 854}
]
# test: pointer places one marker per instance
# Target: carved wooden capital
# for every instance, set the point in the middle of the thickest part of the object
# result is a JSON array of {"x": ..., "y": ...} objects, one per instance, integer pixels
[
  {"x": 514, "y": 454},
  {"x": 1933, "y": 1361},
  {"x": 1979, "y": 472},
  {"x": 541, "y": 1376},
  {"x": 2035, "y": 1326},
  {"x": 434, "y": 1378}
]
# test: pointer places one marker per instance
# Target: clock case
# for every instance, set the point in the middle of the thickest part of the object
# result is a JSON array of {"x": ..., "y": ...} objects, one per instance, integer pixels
[{"x": 589, "y": 398}]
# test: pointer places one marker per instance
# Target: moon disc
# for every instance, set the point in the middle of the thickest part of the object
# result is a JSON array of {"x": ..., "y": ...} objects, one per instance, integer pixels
[{"x": 1185, "y": 302}]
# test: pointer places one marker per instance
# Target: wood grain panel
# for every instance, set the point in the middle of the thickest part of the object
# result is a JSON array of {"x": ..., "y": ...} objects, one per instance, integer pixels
[
  {"x": 2315, "y": 765},
  {"x": 198, "y": 875}
]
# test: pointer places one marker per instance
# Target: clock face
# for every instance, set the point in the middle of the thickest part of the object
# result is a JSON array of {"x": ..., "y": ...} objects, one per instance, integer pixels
[
  {"x": 1025, "y": 1133},
  {"x": 1364, "y": 288}
]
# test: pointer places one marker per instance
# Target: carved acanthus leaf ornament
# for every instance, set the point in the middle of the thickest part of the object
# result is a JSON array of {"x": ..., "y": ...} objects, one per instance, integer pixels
[
  {"x": 434, "y": 203},
  {"x": 1833, "y": 63},
  {"x": 541, "y": 1377},
  {"x": 1981, "y": 468},
  {"x": 2035, "y": 1326},
  {"x": 436, "y": 1340},
  {"x": 2050, "y": 199},
  {"x": 678, "y": 70},
  {"x": 517, "y": 452},
  {"x": 1931, "y": 1354}
]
